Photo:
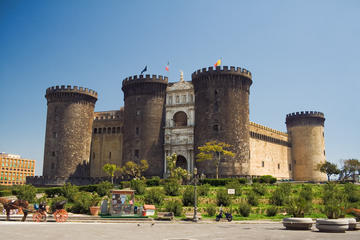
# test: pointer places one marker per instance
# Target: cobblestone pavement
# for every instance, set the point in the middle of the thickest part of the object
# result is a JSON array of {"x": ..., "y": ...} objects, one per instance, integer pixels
[{"x": 161, "y": 230}]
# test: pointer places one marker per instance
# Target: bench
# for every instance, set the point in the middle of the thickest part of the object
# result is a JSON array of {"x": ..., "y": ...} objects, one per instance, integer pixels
[
  {"x": 165, "y": 216},
  {"x": 190, "y": 216}
]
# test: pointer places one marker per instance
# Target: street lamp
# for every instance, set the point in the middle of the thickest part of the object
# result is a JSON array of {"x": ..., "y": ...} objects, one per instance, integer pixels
[{"x": 195, "y": 219}]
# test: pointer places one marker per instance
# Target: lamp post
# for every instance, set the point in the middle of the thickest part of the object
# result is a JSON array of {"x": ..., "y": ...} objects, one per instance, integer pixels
[{"x": 195, "y": 219}]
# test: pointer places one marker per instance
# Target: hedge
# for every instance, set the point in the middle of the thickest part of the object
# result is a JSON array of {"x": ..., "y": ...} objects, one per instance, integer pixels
[
  {"x": 221, "y": 181},
  {"x": 5, "y": 193}
]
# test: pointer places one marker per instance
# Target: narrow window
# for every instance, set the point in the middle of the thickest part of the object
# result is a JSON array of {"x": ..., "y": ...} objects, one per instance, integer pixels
[
  {"x": 290, "y": 167},
  {"x": 278, "y": 165},
  {"x": 170, "y": 99},
  {"x": 216, "y": 128},
  {"x": 109, "y": 155},
  {"x": 99, "y": 130},
  {"x": 177, "y": 99},
  {"x": 137, "y": 131},
  {"x": 54, "y": 135},
  {"x": 118, "y": 130},
  {"x": 104, "y": 130},
  {"x": 95, "y": 130},
  {"x": 263, "y": 164},
  {"x": 113, "y": 130},
  {"x": 53, "y": 154},
  {"x": 136, "y": 153},
  {"x": 109, "y": 130}
]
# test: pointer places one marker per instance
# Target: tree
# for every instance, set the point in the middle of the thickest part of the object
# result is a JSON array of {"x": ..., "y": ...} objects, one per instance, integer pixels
[
  {"x": 173, "y": 171},
  {"x": 329, "y": 168},
  {"x": 350, "y": 168},
  {"x": 110, "y": 169},
  {"x": 135, "y": 170},
  {"x": 213, "y": 151}
]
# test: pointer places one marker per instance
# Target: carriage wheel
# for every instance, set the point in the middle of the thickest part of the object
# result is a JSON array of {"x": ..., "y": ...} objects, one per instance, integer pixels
[
  {"x": 38, "y": 217},
  {"x": 60, "y": 215}
]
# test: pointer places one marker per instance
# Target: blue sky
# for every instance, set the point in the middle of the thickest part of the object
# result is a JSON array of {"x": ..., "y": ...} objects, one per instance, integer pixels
[{"x": 303, "y": 55}]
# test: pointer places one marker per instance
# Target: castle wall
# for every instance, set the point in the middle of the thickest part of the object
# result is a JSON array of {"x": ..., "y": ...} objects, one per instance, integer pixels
[
  {"x": 222, "y": 114},
  {"x": 107, "y": 141},
  {"x": 69, "y": 121},
  {"x": 270, "y": 152}
]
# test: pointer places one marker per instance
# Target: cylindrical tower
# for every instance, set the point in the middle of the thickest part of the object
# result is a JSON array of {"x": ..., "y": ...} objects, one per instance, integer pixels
[
  {"x": 70, "y": 115},
  {"x": 222, "y": 114},
  {"x": 144, "y": 121},
  {"x": 306, "y": 133}
]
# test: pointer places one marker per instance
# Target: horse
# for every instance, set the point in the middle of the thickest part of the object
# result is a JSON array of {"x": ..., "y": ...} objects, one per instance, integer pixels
[{"x": 15, "y": 204}]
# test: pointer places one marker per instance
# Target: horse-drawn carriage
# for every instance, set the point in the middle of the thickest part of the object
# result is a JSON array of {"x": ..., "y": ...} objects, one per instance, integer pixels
[{"x": 60, "y": 214}]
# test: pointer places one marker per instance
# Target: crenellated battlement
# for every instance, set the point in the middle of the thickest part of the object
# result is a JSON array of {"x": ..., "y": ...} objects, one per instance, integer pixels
[
  {"x": 71, "y": 89},
  {"x": 268, "y": 129},
  {"x": 142, "y": 79},
  {"x": 222, "y": 70},
  {"x": 305, "y": 114}
]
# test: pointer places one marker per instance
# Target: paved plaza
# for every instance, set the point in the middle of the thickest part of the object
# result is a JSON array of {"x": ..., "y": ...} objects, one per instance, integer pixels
[{"x": 161, "y": 230}]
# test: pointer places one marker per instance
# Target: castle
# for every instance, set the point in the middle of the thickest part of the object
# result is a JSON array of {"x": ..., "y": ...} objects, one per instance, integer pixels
[{"x": 161, "y": 118}]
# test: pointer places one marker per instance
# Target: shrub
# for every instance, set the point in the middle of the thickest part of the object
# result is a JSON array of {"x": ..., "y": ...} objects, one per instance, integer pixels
[
  {"x": 234, "y": 185},
  {"x": 297, "y": 206},
  {"x": 188, "y": 196},
  {"x": 281, "y": 194},
  {"x": 334, "y": 201},
  {"x": 125, "y": 184},
  {"x": 53, "y": 192},
  {"x": 271, "y": 211},
  {"x": 104, "y": 188},
  {"x": 244, "y": 209},
  {"x": 253, "y": 199},
  {"x": 172, "y": 187},
  {"x": 203, "y": 190},
  {"x": 154, "y": 181},
  {"x": 352, "y": 194},
  {"x": 222, "y": 198},
  {"x": 174, "y": 206},
  {"x": 211, "y": 210},
  {"x": 83, "y": 201},
  {"x": 154, "y": 196},
  {"x": 307, "y": 193},
  {"x": 69, "y": 191},
  {"x": 138, "y": 185},
  {"x": 267, "y": 179},
  {"x": 259, "y": 189},
  {"x": 88, "y": 188},
  {"x": 26, "y": 192}
]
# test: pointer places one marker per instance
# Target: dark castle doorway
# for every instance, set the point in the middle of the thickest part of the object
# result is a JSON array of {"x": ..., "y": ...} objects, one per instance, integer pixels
[{"x": 181, "y": 162}]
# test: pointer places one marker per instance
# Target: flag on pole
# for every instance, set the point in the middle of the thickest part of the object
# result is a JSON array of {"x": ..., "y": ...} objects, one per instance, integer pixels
[
  {"x": 144, "y": 70},
  {"x": 218, "y": 63},
  {"x": 167, "y": 66}
]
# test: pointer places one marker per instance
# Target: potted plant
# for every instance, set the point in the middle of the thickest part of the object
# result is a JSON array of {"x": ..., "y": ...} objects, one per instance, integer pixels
[
  {"x": 334, "y": 208},
  {"x": 94, "y": 204},
  {"x": 297, "y": 207}
]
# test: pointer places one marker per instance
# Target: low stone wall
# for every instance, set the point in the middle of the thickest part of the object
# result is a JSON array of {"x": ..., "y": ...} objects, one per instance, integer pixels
[{"x": 40, "y": 181}]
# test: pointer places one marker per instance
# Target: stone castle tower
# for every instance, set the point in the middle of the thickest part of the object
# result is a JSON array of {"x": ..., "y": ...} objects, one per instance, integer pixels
[
  {"x": 144, "y": 121},
  {"x": 69, "y": 122},
  {"x": 222, "y": 114},
  {"x": 306, "y": 132}
]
